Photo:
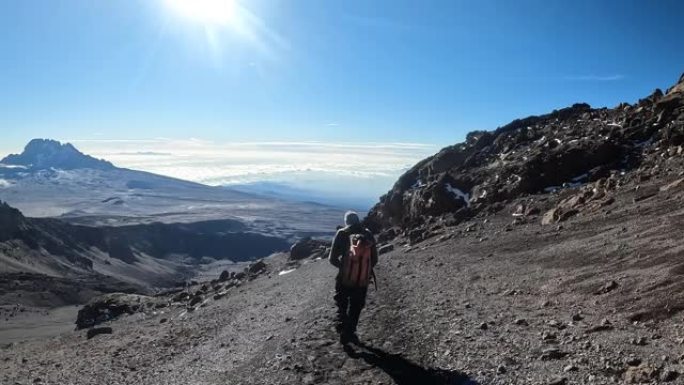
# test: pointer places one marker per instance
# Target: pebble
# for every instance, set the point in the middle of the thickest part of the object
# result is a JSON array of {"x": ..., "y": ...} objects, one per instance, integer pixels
[
  {"x": 558, "y": 381},
  {"x": 669, "y": 375}
]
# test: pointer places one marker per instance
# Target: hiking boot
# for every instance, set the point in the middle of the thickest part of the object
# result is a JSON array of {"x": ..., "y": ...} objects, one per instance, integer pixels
[
  {"x": 340, "y": 327},
  {"x": 349, "y": 338}
]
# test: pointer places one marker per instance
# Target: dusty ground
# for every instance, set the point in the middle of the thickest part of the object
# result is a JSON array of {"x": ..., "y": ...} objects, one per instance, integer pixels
[
  {"x": 20, "y": 323},
  {"x": 582, "y": 303}
]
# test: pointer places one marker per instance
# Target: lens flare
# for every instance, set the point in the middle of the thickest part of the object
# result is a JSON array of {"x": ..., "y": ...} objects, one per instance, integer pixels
[{"x": 221, "y": 12}]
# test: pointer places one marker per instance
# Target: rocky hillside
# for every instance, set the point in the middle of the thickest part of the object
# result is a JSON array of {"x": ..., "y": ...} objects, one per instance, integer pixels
[
  {"x": 595, "y": 300},
  {"x": 143, "y": 256},
  {"x": 570, "y": 147}
]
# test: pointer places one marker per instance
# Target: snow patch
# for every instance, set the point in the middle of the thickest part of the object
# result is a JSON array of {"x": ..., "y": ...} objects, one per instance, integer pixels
[
  {"x": 580, "y": 177},
  {"x": 286, "y": 271},
  {"x": 13, "y": 166},
  {"x": 551, "y": 189},
  {"x": 458, "y": 194}
]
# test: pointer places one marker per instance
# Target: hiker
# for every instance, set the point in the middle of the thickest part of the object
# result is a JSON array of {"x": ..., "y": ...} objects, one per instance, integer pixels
[{"x": 354, "y": 253}]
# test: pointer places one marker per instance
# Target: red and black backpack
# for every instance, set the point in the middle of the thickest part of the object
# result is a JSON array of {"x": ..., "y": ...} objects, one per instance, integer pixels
[{"x": 356, "y": 267}]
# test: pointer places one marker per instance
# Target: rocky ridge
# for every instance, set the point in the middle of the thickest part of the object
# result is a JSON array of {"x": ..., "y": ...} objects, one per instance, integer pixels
[{"x": 599, "y": 149}]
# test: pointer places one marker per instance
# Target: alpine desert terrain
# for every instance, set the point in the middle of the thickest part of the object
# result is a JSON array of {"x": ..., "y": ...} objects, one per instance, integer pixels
[
  {"x": 548, "y": 251},
  {"x": 72, "y": 227}
]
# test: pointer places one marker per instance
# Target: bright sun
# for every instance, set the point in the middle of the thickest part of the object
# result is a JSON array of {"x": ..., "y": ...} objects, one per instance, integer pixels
[{"x": 222, "y": 12}]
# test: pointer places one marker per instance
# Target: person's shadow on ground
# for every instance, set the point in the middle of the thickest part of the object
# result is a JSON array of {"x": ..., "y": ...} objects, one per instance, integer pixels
[{"x": 405, "y": 372}]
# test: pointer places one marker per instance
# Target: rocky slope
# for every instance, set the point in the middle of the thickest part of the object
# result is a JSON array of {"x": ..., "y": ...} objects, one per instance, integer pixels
[
  {"x": 145, "y": 256},
  {"x": 569, "y": 147},
  {"x": 596, "y": 300}
]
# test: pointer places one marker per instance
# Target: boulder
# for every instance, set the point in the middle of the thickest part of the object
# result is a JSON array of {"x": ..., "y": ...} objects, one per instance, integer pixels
[
  {"x": 225, "y": 275},
  {"x": 674, "y": 185},
  {"x": 607, "y": 288},
  {"x": 551, "y": 216},
  {"x": 641, "y": 374},
  {"x": 196, "y": 300},
  {"x": 644, "y": 193},
  {"x": 97, "y": 331},
  {"x": 385, "y": 249},
  {"x": 308, "y": 248},
  {"x": 108, "y": 307},
  {"x": 181, "y": 297},
  {"x": 256, "y": 267}
]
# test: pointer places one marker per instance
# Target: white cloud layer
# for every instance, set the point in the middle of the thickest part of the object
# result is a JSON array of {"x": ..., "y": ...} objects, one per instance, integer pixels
[{"x": 365, "y": 169}]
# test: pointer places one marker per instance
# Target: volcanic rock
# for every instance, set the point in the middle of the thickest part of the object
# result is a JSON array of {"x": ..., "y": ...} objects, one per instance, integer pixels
[
  {"x": 385, "y": 248},
  {"x": 640, "y": 374},
  {"x": 97, "y": 331},
  {"x": 566, "y": 149},
  {"x": 256, "y": 267},
  {"x": 308, "y": 248},
  {"x": 107, "y": 307}
]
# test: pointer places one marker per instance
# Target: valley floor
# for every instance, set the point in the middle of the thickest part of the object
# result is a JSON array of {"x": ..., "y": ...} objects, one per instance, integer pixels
[{"x": 594, "y": 301}]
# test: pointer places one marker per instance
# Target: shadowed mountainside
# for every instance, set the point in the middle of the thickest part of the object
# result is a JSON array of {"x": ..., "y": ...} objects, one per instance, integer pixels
[{"x": 146, "y": 255}]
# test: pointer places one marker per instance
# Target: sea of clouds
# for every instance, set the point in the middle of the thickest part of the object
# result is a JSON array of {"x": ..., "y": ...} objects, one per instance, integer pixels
[{"x": 358, "y": 170}]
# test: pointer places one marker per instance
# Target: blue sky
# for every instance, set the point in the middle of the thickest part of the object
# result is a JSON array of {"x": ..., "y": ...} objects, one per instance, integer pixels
[{"x": 330, "y": 71}]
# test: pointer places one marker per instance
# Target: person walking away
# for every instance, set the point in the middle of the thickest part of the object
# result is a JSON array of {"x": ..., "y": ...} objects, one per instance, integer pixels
[{"x": 355, "y": 253}]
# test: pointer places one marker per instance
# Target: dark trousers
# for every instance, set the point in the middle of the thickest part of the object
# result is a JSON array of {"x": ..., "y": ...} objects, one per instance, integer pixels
[{"x": 350, "y": 302}]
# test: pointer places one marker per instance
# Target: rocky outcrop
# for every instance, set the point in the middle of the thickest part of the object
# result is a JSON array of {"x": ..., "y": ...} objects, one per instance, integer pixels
[
  {"x": 256, "y": 268},
  {"x": 108, "y": 307},
  {"x": 12, "y": 222},
  {"x": 308, "y": 248},
  {"x": 567, "y": 148}
]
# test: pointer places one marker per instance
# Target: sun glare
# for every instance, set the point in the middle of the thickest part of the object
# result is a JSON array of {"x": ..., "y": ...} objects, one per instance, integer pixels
[{"x": 222, "y": 12}]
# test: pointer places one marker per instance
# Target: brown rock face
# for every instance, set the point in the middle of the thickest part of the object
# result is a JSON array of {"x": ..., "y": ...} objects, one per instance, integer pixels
[{"x": 641, "y": 374}]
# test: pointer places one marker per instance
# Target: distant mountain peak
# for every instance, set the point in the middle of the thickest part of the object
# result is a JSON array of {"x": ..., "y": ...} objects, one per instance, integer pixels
[{"x": 47, "y": 153}]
